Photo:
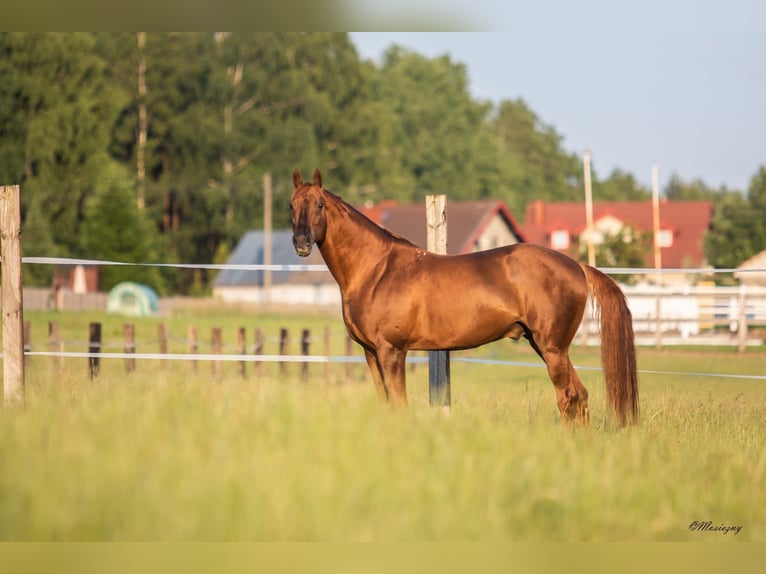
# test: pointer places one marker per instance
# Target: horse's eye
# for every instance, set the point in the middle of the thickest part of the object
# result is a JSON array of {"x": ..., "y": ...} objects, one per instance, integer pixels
[{"x": 320, "y": 205}]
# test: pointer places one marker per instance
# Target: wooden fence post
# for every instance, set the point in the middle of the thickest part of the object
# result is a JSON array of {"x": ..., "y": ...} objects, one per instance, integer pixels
[
  {"x": 658, "y": 324},
  {"x": 258, "y": 350},
  {"x": 162, "y": 333},
  {"x": 12, "y": 299},
  {"x": 27, "y": 339},
  {"x": 192, "y": 344},
  {"x": 348, "y": 368},
  {"x": 305, "y": 346},
  {"x": 129, "y": 346},
  {"x": 327, "y": 352},
  {"x": 742, "y": 322},
  {"x": 438, "y": 361},
  {"x": 241, "y": 349},
  {"x": 54, "y": 343},
  {"x": 94, "y": 348},
  {"x": 217, "y": 347},
  {"x": 284, "y": 338}
]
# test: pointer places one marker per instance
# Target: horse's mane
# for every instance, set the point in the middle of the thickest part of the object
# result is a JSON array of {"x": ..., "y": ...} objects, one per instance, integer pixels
[{"x": 356, "y": 215}]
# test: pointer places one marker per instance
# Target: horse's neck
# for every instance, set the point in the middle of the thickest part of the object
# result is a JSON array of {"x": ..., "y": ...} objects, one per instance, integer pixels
[{"x": 354, "y": 246}]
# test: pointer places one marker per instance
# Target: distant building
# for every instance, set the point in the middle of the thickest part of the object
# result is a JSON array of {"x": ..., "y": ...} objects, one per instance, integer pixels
[
  {"x": 287, "y": 287},
  {"x": 77, "y": 278},
  {"x": 562, "y": 226},
  {"x": 471, "y": 225},
  {"x": 753, "y": 270}
]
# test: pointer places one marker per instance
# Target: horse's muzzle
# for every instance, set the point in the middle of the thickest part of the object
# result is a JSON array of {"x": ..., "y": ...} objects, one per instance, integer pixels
[{"x": 303, "y": 244}]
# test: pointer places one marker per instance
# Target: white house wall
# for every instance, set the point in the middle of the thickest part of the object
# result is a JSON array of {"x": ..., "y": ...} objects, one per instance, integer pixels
[
  {"x": 323, "y": 294},
  {"x": 495, "y": 234}
]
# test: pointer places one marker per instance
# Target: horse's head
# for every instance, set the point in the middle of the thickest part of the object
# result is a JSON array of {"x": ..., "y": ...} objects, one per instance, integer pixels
[{"x": 307, "y": 211}]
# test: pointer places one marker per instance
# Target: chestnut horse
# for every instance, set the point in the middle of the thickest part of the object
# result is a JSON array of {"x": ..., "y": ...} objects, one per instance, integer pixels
[{"x": 397, "y": 296}]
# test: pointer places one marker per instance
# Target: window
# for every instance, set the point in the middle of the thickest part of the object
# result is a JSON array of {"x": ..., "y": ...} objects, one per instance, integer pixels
[
  {"x": 665, "y": 238},
  {"x": 560, "y": 239}
]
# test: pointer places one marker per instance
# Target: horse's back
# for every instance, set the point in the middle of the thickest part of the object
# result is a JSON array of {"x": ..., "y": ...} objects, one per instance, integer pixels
[
  {"x": 489, "y": 274},
  {"x": 525, "y": 264},
  {"x": 434, "y": 301}
]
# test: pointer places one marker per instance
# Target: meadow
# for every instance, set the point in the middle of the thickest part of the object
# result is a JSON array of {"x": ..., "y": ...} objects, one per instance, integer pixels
[{"x": 173, "y": 454}]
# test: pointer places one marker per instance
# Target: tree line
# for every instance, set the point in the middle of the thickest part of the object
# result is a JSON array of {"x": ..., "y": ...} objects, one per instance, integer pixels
[{"x": 153, "y": 146}]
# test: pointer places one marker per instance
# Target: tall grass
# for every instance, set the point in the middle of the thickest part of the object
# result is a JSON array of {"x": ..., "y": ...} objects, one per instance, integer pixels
[{"x": 166, "y": 454}]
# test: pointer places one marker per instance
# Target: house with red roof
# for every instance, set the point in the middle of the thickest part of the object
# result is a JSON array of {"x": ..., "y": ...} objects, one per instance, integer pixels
[
  {"x": 471, "y": 225},
  {"x": 562, "y": 226}
]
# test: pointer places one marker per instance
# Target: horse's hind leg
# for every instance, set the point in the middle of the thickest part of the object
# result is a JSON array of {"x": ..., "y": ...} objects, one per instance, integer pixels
[
  {"x": 570, "y": 392},
  {"x": 581, "y": 413}
]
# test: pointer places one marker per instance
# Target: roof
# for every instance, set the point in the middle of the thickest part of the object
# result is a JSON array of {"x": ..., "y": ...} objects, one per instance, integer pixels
[
  {"x": 757, "y": 261},
  {"x": 688, "y": 220},
  {"x": 250, "y": 251},
  {"x": 466, "y": 220}
]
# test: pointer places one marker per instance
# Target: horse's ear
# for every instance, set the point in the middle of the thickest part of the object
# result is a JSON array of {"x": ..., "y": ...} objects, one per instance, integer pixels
[
  {"x": 317, "y": 178},
  {"x": 297, "y": 178}
]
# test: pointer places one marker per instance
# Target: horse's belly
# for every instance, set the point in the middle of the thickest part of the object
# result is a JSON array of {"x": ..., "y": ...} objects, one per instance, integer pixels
[{"x": 464, "y": 326}]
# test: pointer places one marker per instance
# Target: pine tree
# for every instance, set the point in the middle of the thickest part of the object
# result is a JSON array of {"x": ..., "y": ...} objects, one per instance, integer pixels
[{"x": 114, "y": 229}]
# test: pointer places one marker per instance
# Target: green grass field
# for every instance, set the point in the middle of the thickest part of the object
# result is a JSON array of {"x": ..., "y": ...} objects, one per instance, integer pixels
[{"x": 169, "y": 454}]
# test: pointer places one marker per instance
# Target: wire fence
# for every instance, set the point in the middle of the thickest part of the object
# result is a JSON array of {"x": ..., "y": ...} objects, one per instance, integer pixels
[
  {"x": 305, "y": 267},
  {"x": 98, "y": 350}
]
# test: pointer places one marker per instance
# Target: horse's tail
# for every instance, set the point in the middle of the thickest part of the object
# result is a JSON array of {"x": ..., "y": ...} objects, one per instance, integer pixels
[{"x": 618, "y": 350}]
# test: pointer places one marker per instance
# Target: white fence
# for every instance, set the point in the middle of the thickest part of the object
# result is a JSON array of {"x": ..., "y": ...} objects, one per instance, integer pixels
[{"x": 693, "y": 315}]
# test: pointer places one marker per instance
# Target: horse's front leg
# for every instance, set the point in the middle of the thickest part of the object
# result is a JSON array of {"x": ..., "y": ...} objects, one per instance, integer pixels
[
  {"x": 377, "y": 375},
  {"x": 392, "y": 362}
]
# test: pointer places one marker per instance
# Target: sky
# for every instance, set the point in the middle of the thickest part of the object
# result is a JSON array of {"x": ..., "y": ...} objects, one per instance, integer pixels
[{"x": 674, "y": 83}]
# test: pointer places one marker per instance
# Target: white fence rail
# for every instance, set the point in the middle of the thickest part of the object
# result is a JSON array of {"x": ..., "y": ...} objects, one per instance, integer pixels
[{"x": 693, "y": 315}]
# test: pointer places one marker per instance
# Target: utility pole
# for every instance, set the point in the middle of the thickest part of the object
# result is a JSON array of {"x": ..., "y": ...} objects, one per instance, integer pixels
[
  {"x": 656, "y": 219},
  {"x": 657, "y": 253},
  {"x": 588, "y": 210},
  {"x": 267, "y": 191}
]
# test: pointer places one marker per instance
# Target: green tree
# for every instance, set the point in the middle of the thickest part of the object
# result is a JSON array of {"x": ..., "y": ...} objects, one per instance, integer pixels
[
  {"x": 733, "y": 236},
  {"x": 620, "y": 186},
  {"x": 224, "y": 109},
  {"x": 37, "y": 242},
  {"x": 437, "y": 123},
  {"x": 368, "y": 158},
  {"x": 696, "y": 190},
  {"x": 756, "y": 196},
  {"x": 60, "y": 109},
  {"x": 532, "y": 160},
  {"x": 738, "y": 229},
  {"x": 115, "y": 230},
  {"x": 627, "y": 249}
]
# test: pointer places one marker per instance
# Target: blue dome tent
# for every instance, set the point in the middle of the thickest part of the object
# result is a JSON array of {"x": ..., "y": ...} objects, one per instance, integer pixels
[{"x": 132, "y": 299}]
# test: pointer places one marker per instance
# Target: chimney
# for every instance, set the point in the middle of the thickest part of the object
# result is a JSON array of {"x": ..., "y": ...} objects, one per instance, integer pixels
[{"x": 538, "y": 211}]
